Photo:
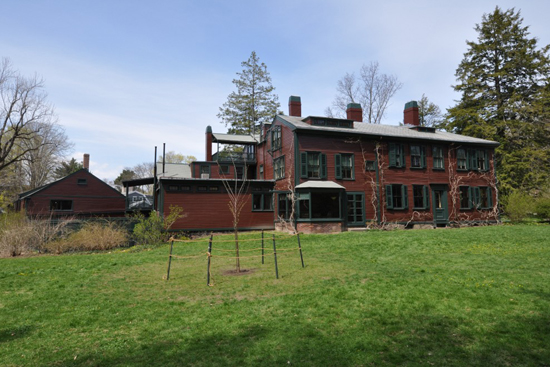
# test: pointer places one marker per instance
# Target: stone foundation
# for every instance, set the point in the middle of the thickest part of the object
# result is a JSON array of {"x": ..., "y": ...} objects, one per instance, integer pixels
[{"x": 321, "y": 227}]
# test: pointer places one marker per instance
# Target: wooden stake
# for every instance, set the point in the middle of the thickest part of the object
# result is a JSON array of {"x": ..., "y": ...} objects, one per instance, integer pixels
[
  {"x": 300, "y": 247},
  {"x": 169, "y": 260},
  {"x": 275, "y": 256},
  {"x": 209, "y": 257}
]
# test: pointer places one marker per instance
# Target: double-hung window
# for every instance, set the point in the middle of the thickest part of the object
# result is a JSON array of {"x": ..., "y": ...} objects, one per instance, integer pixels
[
  {"x": 313, "y": 165},
  {"x": 439, "y": 162},
  {"x": 279, "y": 168},
  {"x": 461, "y": 160},
  {"x": 262, "y": 202},
  {"x": 276, "y": 138},
  {"x": 465, "y": 197},
  {"x": 396, "y": 196},
  {"x": 418, "y": 156},
  {"x": 421, "y": 196},
  {"x": 344, "y": 166},
  {"x": 397, "y": 155}
]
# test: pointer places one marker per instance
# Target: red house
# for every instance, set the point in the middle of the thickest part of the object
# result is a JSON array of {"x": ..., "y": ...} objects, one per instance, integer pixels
[
  {"x": 79, "y": 195},
  {"x": 326, "y": 174}
]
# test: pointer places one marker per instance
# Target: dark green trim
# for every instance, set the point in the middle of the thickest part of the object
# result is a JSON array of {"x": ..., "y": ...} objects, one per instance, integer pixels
[
  {"x": 378, "y": 193},
  {"x": 296, "y": 158}
]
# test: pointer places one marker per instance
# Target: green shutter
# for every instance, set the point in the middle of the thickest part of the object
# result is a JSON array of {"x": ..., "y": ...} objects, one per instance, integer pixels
[
  {"x": 392, "y": 155},
  {"x": 405, "y": 196},
  {"x": 303, "y": 165},
  {"x": 473, "y": 159},
  {"x": 389, "y": 197},
  {"x": 470, "y": 197},
  {"x": 401, "y": 156},
  {"x": 489, "y": 197},
  {"x": 323, "y": 159},
  {"x": 485, "y": 159},
  {"x": 338, "y": 166},
  {"x": 426, "y": 197}
]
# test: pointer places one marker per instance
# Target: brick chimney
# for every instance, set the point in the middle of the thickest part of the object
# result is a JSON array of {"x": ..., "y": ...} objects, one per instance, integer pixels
[
  {"x": 208, "y": 157},
  {"x": 411, "y": 116},
  {"x": 86, "y": 162},
  {"x": 295, "y": 106},
  {"x": 354, "y": 112}
]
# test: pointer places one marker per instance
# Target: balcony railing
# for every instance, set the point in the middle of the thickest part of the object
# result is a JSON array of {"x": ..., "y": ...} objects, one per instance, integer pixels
[{"x": 240, "y": 157}]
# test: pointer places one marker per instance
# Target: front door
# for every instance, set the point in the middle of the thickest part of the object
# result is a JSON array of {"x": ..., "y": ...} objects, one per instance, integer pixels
[
  {"x": 356, "y": 209},
  {"x": 440, "y": 205}
]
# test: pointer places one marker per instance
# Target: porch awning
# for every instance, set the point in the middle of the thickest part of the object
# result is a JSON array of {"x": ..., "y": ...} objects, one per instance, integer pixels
[
  {"x": 320, "y": 185},
  {"x": 233, "y": 139}
]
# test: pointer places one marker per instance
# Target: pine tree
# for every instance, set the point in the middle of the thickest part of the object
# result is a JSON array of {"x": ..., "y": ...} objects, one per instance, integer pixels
[
  {"x": 66, "y": 168},
  {"x": 254, "y": 101},
  {"x": 428, "y": 112},
  {"x": 504, "y": 83}
]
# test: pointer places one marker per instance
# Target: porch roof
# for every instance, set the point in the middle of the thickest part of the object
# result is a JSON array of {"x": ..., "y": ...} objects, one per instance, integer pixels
[{"x": 320, "y": 185}]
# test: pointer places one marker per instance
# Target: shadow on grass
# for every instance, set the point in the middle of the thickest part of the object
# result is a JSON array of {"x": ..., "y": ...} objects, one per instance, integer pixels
[
  {"x": 7, "y": 335},
  {"x": 253, "y": 346}
]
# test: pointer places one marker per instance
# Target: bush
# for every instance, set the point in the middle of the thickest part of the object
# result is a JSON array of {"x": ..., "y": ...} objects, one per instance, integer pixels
[
  {"x": 518, "y": 205},
  {"x": 542, "y": 207},
  {"x": 153, "y": 230},
  {"x": 19, "y": 234},
  {"x": 93, "y": 236}
]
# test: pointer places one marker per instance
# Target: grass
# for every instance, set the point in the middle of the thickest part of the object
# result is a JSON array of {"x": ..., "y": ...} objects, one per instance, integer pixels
[{"x": 454, "y": 297}]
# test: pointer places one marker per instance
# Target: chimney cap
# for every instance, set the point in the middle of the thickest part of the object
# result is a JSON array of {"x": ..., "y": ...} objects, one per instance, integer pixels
[
  {"x": 209, "y": 129},
  {"x": 294, "y": 99},
  {"x": 354, "y": 105},
  {"x": 411, "y": 104}
]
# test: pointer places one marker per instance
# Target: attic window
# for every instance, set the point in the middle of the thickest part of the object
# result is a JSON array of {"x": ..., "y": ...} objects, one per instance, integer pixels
[
  {"x": 331, "y": 122},
  {"x": 82, "y": 181}
]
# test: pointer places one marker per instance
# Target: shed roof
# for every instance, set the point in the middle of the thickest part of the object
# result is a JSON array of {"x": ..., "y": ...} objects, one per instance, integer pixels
[{"x": 233, "y": 139}]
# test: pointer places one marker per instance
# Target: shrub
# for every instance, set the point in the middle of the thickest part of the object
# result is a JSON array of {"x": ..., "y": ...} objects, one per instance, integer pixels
[
  {"x": 518, "y": 205},
  {"x": 19, "y": 234},
  {"x": 153, "y": 229},
  {"x": 93, "y": 236},
  {"x": 542, "y": 207}
]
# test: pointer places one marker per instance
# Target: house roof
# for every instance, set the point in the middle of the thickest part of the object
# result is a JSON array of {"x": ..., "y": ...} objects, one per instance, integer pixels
[
  {"x": 320, "y": 185},
  {"x": 390, "y": 131},
  {"x": 30, "y": 193},
  {"x": 233, "y": 139}
]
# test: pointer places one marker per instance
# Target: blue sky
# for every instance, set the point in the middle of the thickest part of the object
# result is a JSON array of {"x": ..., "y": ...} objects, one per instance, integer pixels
[{"x": 126, "y": 76}]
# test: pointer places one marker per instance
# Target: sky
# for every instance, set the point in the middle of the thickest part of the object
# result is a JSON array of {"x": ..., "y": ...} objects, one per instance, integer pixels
[{"x": 128, "y": 75}]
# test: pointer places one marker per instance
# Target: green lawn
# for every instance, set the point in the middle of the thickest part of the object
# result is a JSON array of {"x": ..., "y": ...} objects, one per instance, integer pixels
[{"x": 448, "y": 297}]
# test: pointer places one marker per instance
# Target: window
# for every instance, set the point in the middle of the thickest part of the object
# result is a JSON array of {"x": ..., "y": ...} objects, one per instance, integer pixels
[
  {"x": 438, "y": 158},
  {"x": 421, "y": 196},
  {"x": 279, "y": 168},
  {"x": 186, "y": 188},
  {"x": 261, "y": 169},
  {"x": 397, "y": 156},
  {"x": 461, "y": 160},
  {"x": 319, "y": 205},
  {"x": 482, "y": 197},
  {"x": 224, "y": 169},
  {"x": 465, "y": 197},
  {"x": 173, "y": 188},
  {"x": 370, "y": 166},
  {"x": 82, "y": 181},
  {"x": 396, "y": 196},
  {"x": 239, "y": 172},
  {"x": 61, "y": 205},
  {"x": 344, "y": 164},
  {"x": 313, "y": 165},
  {"x": 205, "y": 171},
  {"x": 418, "y": 156},
  {"x": 201, "y": 188},
  {"x": 356, "y": 208},
  {"x": 213, "y": 188},
  {"x": 276, "y": 141},
  {"x": 284, "y": 206},
  {"x": 262, "y": 202},
  {"x": 481, "y": 160}
]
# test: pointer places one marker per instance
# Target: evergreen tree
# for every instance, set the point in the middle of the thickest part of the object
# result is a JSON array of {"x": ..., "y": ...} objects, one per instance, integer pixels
[
  {"x": 504, "y": 83},
  {"x": 66, "y": 168},
  {"x": 254, "y": 101},
  {"x": 125, "y": 175}
]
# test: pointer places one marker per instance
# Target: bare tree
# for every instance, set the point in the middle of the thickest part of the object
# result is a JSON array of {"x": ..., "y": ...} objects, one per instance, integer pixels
[
  {"x": 24, "y": 115},
  {"x": 372, "y": 89}
]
